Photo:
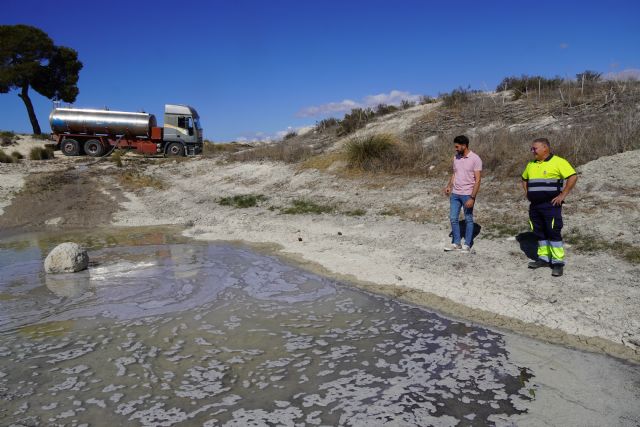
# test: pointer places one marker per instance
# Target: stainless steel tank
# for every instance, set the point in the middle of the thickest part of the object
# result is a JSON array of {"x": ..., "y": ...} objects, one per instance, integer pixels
[{"x": 75, "y": 120}]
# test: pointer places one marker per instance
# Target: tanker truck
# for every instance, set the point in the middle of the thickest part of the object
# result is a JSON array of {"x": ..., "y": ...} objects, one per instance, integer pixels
[{"x": 80, "y": 131}]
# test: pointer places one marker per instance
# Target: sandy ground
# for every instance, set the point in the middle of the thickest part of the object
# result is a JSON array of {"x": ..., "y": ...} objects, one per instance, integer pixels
[
  {"x": 593, "y": 306},
  {"x": 396, "y": 247},
  {"x": 12, "y": 174}
]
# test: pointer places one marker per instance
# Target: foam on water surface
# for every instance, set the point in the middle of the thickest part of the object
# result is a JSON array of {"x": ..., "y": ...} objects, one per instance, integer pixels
[{"x": 214, "y": 334}]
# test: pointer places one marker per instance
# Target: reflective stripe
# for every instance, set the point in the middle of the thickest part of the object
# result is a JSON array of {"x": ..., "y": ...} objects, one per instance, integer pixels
[
  {"x": 553, "y": 222},
  {"x": 543, "y": 258},
  {"x": 531, "y": 225},
  {"x": 544, "y": 181},
  {"x": 552, "y": 189},
  {"x": 557, "y": 255},
  {"x": 543, "y": 243},
  {"x": 556, "y": 244}
]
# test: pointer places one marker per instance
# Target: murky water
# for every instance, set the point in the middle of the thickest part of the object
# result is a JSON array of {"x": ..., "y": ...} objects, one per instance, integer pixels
[{"x": 160, "y": 331}]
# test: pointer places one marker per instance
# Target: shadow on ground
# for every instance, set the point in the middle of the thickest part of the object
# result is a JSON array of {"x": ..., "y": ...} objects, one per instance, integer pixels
[{"x": 528, "y": 244}]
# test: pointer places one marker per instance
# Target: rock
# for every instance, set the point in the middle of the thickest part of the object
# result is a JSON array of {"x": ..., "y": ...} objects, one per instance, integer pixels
[{"x": 67, "y": 257}]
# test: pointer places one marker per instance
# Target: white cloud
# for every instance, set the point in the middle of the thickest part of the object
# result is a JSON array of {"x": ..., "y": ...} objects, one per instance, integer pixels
[
  {"x": 392, "y": 98},
  {"x": 628, "y": 74},
  {"x": 256, "y": 137},
  {"x": 267, "y": 138},
  {"x": 332, "y": 107},
  {"x": 301, "y": 130}
]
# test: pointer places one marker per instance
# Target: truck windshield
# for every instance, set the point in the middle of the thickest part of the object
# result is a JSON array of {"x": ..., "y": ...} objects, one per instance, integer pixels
[{"x": 196, "y": 122}]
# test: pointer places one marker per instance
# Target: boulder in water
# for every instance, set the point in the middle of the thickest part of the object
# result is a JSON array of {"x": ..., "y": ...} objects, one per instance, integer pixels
[{"x": 67, "y": 257}]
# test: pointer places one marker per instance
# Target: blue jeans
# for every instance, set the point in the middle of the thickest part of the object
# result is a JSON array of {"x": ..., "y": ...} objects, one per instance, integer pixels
[{"x": 457, "y": 201}]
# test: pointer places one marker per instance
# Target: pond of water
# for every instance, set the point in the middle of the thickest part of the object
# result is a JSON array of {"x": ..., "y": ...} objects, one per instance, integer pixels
[{"x": 161, "y": 331}]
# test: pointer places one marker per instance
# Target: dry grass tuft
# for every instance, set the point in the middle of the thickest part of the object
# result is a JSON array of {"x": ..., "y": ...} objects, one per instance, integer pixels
[
  {"x": 39, "y": 153},
  {"x": 290, "y": 151},
  {"x": 134, "y": 180},
  {"x": 5, "y": 158},
  {"x": 212, "y": 149},
  {"x": 323, "y": 161}
]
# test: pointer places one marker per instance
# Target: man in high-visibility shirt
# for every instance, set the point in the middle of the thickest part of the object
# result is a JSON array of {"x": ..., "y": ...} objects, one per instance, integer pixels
[{"x": 547, "y": 181}]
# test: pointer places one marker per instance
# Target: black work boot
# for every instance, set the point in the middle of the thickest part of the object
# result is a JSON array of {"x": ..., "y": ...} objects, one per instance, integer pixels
[
  {"x": 556, "y": 270},
  {"x": 538, "y": 263}
]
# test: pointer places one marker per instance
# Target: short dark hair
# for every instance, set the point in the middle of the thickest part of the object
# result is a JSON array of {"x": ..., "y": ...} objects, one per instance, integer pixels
[
  {"x": 461, "y": 139},
  {"x": 545, "y": 141}
]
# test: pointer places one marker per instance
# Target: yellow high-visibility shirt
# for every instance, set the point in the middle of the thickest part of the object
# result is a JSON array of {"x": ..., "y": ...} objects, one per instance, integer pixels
[{"x": 545, "y": 179}]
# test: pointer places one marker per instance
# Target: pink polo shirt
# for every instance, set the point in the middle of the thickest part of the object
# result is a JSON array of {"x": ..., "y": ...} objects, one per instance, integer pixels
[{"x": 464, "y": 168}]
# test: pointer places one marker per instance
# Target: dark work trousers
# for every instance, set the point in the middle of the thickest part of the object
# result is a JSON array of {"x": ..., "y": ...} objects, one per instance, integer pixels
[{"x": 546, "y": 223}]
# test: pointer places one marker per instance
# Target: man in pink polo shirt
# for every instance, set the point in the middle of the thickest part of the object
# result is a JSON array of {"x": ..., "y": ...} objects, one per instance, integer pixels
[{"x": 462, "y": 190}]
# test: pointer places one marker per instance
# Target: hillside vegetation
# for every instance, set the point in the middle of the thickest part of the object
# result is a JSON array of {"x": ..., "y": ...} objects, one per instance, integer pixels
[{"x": 584, "y": 118}]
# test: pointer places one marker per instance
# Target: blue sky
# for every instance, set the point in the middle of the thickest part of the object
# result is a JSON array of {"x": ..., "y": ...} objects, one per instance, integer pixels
[{"x": 256, "y": 68}]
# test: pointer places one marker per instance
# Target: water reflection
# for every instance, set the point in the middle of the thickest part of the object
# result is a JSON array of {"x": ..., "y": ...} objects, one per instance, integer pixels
[{"x": 211, "y": 334}]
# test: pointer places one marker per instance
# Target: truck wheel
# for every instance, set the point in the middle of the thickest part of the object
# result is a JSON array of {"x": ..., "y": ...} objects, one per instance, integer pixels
[
  {"x": 94, "y": 148},
  {"x": 70, "y": 147},
  {"x": 175, "y": 149}
]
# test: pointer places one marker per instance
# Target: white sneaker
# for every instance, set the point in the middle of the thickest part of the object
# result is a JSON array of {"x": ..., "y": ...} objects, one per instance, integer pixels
[
  {"x": 465, "y": 248},
  {"x": 452, "y": 247}
]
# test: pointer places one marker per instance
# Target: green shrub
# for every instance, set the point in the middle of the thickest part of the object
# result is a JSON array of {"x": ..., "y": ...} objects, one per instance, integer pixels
[
  {"x": 457, "y": 98},
  {"x": 41, "y": 136},
  {"x": 524, "y": 84},
  {"x": 4, "y": 158},
  {"x": 361, "y": 152},
  {"x": 426, "y": 99},
  {"x": 326, "y": 124},
  {"x": 242, "y": 200},
  {"x": 356, "y": 119},
  {"x": 384, "y": 109},
  {"x": 290, "y": 135},
  {"x": 590, "y": 243},
  {"x": 17, "y": 155},
  {"x": 589, "y": 76},
  {"x": 39, "y": 153},
  {"x": 302, "y": 206},
  {"x": 405, "y": 104}
]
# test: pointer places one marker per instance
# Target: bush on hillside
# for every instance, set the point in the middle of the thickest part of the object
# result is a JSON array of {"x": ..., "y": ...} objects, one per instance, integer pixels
[
  {"x": 356, "y": 119},
  {"x": 326, "y": 124},
  {"x": 426, "y": 99},
  {"x": 364, "y": 152},
  {"x": 405, "y": 104},
  {"x": 384, "y": 109},
  {"x": 457, "y": 97},
  {"x": 589, "y": 76},
  {"x": 524, "y": 84}
]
